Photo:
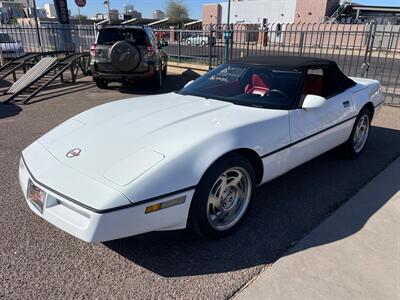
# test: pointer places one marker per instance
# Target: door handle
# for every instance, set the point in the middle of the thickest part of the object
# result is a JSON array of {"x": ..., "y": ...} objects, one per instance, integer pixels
[{"x": 346, "y": 104}]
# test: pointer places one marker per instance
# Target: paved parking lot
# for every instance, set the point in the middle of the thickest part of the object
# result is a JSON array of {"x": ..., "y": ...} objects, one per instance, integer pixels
[{"x": 39, "y": 261}]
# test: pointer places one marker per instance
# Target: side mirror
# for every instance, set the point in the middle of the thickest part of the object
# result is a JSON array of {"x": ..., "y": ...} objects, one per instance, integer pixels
[
  {"x": 313, "y": 101},
  {"x": 187, "y": 84}
]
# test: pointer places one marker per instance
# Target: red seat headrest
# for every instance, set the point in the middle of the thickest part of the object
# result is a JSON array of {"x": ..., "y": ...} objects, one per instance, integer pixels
[
  {"x": 258, "y": 85},
  {"x": 257, "y": 81}
]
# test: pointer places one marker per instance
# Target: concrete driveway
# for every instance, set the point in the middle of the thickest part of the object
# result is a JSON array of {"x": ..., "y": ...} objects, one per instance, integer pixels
[{"x": 39, "y": 261}]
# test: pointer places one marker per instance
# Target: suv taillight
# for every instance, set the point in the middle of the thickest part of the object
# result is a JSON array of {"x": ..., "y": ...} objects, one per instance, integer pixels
[
  {"x": 93, "y": 50},
  {"x": 150, "y": 51}
]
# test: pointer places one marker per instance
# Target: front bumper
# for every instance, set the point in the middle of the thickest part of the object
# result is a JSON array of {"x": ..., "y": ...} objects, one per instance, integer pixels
[{"x": 93, "y": 227}]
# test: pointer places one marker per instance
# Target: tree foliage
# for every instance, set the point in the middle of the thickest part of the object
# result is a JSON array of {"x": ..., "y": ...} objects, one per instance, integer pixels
[
  {"x": 176, "y": 10},
  {"x": 83, "y": 17}
]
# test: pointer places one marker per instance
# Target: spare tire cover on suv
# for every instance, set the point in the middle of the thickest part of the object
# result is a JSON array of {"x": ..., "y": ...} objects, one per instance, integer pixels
[{"x": 124, "y": 56}]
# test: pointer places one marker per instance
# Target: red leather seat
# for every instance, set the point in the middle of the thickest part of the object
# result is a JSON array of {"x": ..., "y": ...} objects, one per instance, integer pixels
[
  {"x": 313, "y": 85},
  {"x": 258, "y": 86}
]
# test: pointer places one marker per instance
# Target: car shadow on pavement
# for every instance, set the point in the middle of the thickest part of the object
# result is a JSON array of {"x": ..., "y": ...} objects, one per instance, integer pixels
[
  {"x": 9, "y": 110},
  {"x": 58, "y": 90},
  {"x": 283, "y": 212}
]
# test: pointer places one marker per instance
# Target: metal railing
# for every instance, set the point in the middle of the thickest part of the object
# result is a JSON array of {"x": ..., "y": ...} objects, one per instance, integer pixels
[
  {"x": 361, "y": 50},
  {"x": 18, "y": 39}
]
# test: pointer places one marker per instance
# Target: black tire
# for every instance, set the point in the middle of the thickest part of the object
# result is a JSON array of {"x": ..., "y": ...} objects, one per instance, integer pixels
[
  {"x": 158, "y": 80},
  {"x": 349, "y": 149},
  {"x": 101, "y": 84},
  {"x": 203, "y": 43},
  {"x": 199, "y": 220},
  {"x": 124, "y": 56}
]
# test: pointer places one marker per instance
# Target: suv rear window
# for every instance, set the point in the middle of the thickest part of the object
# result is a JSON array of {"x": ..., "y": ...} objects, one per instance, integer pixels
[{"x": 112, "y": 35}]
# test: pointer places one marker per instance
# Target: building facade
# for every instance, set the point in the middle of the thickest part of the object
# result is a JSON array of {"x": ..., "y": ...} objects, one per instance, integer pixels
[
  {"x": 212, "y": 13},
  {"x": 158, "y": 15},
  {"x": 50, "y": 10},
  {"x": 269, "y": 11},
  {"x": 382, "y": 15},
  {"x": 131, "y": 13},
  {"x": 12, "y": 9}
]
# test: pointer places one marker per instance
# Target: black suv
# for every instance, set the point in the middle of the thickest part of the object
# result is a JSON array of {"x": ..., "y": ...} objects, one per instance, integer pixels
[{"x": 125, "y": 53}]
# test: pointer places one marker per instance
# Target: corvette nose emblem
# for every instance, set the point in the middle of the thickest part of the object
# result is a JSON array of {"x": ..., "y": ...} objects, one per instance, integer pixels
[{"x": 73, "y": 152}]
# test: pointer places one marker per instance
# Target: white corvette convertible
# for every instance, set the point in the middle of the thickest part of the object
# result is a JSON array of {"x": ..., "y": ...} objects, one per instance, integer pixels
[{"x": 192, "y": 159}]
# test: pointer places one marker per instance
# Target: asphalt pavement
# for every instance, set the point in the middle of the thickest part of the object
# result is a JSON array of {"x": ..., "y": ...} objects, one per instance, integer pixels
[
  {"x": 353, "y": 254},
  {"x": 38, "y": 260}
]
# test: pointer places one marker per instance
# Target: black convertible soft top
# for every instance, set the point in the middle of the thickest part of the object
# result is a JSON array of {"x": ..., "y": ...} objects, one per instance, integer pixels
[{"x": 298, "y": 62}]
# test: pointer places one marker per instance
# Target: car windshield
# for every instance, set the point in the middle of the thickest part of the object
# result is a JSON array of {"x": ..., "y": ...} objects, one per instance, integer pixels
[
  {"x": 110, "y": 36},
  {"x": 260, "y": 86},
  {"x": 5, "y": 38}
]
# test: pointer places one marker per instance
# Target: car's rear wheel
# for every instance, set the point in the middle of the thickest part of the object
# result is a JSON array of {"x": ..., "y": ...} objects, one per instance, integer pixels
[
  {"x": 101, "y": 83},
  {"x": 359, "y": 134},
  {"x": 222, "y": 197}
]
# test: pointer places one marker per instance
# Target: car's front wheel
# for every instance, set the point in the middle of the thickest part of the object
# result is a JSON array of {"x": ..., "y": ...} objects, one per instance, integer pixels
[
  {"x": 359, "y": 134},
  {"x": 222, "y": 197}
]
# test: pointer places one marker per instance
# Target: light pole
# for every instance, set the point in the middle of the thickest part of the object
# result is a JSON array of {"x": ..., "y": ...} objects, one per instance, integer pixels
[
  {"x": 229, "y": 12},
  {"x": 107, "y": 2},
  {"x": 36, "y": 23},
  {"x": 79, "y": 15},
  {"x": 228, "y": 33}
]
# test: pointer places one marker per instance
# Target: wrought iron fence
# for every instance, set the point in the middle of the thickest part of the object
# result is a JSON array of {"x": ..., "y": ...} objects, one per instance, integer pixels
[
  {"x": 361, "y": 50},
  {"x": 18, "y": 39}
]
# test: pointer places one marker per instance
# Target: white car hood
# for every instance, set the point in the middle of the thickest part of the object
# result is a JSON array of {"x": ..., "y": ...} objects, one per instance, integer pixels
[{"x": 134, "y": 131}]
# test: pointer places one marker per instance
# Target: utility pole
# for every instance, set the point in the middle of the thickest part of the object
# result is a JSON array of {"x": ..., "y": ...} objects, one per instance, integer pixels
[
  {"x": 227, "y": 34},
  {"x": 107, "y": 2},
  {"x": 229, "y": 12},
  {"x": 79, "y": 15},
  {"x": 37, "y": 23}
]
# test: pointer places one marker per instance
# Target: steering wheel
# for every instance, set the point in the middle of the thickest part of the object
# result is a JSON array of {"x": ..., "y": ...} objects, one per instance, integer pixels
[{"x": 271, "y": 91}]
